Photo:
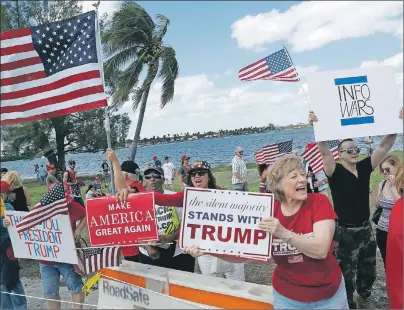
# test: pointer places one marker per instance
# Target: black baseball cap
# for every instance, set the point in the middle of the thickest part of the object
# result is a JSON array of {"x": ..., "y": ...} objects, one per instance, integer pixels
[
  {"x": 130, "y": 166},
  {"x": 156, "y": 169},
  {"x": 3, "y": 170}
]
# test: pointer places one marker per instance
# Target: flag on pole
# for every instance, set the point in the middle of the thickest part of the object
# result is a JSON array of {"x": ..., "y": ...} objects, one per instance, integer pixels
[
  {"x": 277, "y": 67},
  {"x": 53, "y": 203},
  {"x": 313, "y": 157},
  {"x": 275, "y": 151},
  {"x": 91, "y": 260},
  {"x": 50, "y": 70},
  {"x": 259, "y": 157}
]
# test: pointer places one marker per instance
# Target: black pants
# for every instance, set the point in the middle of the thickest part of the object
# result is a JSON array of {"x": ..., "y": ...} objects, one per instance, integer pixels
[
  {"x": 183, "y": 262},
  {"x": 381, "y": 239}
]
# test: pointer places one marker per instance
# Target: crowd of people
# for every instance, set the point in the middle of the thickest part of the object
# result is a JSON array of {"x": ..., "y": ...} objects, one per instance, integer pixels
[{"x": 322, "y": 219}]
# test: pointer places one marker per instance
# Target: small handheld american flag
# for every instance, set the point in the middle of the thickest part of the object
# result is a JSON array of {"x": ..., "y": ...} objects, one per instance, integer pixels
[
  {"x": 277, "y": 67},
  {"x": 50, "y": 70},
  {"x": 91, "y": 260},
  {"x": 53, "y": 203},
  {"x": 314, "y": 159},
  {"x": 272, "y": 152}
]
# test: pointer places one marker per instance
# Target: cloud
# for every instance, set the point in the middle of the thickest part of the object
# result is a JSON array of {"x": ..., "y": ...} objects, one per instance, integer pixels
[
  {"x": 199, "y": 105},
  {"x": 229, "y": 71},
  {"x": 395, "y": 61},
  {"x": 304, "y": 71},
  {"x": 310, "y": 25},
  {"x": 105, "y": 6}
]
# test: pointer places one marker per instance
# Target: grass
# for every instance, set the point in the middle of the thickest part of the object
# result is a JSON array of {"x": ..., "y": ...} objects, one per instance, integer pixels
[{"x": 221, "y": 173}]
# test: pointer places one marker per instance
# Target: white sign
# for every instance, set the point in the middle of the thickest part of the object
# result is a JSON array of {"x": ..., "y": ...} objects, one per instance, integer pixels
[
  {"x": 355, "y": 103},
  {"x": 116, "y": 294},
  {"x": 51, "y": 240},
  {"x": 226, "y": 222}
]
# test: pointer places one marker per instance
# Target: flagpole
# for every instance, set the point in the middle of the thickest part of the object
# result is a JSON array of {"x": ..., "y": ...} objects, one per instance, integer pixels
[
  {"x": 107, "y": 122},
  {"x": 301, "y": 86}
]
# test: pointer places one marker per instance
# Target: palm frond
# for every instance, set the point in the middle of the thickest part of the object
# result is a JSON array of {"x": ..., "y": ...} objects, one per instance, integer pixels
[
  {"x": 128, "y": 79},
  {"x": 118, "y": 60},
  {"x": 168, "y": 72},
  {"x": 162, "y": 25},
  {"x": 130, "y": 25},
  {"x": 137, "y": 97}
]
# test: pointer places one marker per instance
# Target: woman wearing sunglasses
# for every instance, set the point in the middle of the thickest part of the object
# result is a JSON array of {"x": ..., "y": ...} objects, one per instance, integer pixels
[
  {"x": 200, "y": 176},
  {"x": 386, "y": 197}
]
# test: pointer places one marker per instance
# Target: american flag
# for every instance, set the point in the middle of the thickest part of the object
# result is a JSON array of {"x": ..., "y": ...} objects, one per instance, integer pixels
[
  {"x": 277, "y": 67},
  {"x": 53, "y": 203},
  {"x": 313, "y": 157},
  {"x": 273, "y": 152},
  {"x": 50, "y": 70},
  {"x": 259, "y": 157},
  {"x": 91, "y": 260}
]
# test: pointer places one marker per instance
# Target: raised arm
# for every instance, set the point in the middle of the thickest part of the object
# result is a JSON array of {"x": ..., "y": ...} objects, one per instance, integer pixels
[
  {"x": 118, "y": 175},
  {"x": 328, "y": 159},
  {"x": 380, "y": 153}
]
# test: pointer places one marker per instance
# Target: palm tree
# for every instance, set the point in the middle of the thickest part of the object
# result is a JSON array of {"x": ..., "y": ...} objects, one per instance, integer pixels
[{"x": 135, "y": 42}]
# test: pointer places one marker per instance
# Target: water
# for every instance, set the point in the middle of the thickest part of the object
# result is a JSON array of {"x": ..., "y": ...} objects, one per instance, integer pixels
[{"x": 216, "y": 151}]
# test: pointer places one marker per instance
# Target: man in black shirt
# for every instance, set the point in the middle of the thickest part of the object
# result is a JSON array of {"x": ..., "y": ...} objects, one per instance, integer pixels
[{"x": 349, "y": 183}]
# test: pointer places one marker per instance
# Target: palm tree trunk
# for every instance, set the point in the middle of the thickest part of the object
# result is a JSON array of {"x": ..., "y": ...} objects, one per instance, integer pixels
[{"x": 139, "y": 123}]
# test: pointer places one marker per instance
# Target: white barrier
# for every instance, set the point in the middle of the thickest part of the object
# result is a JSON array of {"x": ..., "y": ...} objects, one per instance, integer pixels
[{"x": 194, "y": 290}]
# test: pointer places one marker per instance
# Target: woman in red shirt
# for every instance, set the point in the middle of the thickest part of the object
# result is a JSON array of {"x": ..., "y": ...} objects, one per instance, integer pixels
[
  {"x": 394, "y": 256},
  {"x": 307, "y": 275}
]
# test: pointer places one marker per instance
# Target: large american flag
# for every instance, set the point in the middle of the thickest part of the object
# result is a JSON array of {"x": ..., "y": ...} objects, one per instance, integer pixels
[
  {"x": 259, "y": 157},
  {"x": 277, "y": 67},
  {"x": 50, "y": 70},
  {"x": 53, "y": 203},
  {"x": 275, "y": 151},
  {"x": 91, "y": 260},
  {"x": 313, "y": 157}
]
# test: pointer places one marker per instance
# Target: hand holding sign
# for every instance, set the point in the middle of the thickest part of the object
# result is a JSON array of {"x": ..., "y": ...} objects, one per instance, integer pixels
[{"x": 273, "y": 226}]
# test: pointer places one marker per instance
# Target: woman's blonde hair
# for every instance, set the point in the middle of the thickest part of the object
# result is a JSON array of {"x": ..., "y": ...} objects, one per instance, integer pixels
[
  {"x": 15, "y": 179},
  {"x": 399, "y": 179},
  {"x": 280, "y": 169},
  {"x": 391, "y": 159}
]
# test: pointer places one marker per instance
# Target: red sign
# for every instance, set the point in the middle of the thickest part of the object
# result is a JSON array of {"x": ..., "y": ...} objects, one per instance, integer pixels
[{"x": 115, "y": 223}]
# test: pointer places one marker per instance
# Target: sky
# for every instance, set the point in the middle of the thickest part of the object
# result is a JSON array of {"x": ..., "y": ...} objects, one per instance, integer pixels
[{"x": 215, "y": 39}]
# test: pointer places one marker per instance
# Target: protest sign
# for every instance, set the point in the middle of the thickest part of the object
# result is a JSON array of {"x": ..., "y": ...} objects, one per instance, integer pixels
[
  {"x": 226, "y": 222},
  {"x": 355, "y": 103},
  {"x": 51, "y": 240},
  {"x": 122, "y": 223}
]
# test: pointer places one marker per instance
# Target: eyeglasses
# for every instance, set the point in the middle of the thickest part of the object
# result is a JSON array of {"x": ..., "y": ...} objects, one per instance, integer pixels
[
  {"x": 350, "y": 150},
  {"x": 386, "y": 171},
  {"x": 154, "y": 176},
  {"x": 198, "y": 172}
]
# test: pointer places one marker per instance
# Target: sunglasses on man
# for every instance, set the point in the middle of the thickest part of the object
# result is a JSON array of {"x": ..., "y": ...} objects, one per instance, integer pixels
[
  {"x": 152, "y": 175},
  {"x": 201, "y": 173},
  {"x": 350, "y": 150}
]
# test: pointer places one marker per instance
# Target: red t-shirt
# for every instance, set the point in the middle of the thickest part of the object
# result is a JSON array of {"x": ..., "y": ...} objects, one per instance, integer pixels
[
  {"x": 394, "y": 257},
  {"x": 133, "y": 250},
  {"x": 138, "y": 186},
  {"x": 4, "y": 187},
  {"x": 296, "y": 275},
  {"x": 76, "y": 213}
]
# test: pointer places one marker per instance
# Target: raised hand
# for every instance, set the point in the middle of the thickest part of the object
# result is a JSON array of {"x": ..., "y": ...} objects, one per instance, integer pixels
[{"x": 312, "y": 118}]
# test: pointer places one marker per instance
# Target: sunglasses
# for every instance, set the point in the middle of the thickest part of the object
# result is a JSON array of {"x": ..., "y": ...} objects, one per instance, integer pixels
[
  {"x": 201, "y": 173},
  {"x": 154, "y": 176},
  {"x": 350, "y": 150},
  {"x": 241, "y": 152},
  {"x": 386, "y": 171}
]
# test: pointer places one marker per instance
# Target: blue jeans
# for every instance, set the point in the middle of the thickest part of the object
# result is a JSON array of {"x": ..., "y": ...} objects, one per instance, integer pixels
[
  {"x": 338, "y": 301},
  {"x": 12, "y": 301},
  {"x": 50, "y": 276},
  {"x": 42, "y": 179}
]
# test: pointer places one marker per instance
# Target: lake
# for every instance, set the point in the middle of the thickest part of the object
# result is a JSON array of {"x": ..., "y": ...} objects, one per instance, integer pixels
[{"x": 216, "y": 151}]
